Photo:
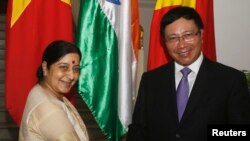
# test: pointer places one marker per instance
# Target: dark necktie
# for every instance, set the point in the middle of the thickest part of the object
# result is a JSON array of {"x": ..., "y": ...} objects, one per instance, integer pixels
[{"x": 182, "y": 92}]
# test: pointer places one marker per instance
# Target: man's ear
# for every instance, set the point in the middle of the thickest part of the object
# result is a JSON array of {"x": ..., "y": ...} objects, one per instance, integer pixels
[
  {"x": 44, "y": 67},
  {"x": 202, "y": 34}
]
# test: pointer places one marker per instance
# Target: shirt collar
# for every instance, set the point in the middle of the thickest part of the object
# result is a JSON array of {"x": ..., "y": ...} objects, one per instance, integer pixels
[{"x": 195, "y": 66}]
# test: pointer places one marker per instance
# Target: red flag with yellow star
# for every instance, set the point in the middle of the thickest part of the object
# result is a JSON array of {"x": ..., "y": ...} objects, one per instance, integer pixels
[
  {"x": 31, "y": 26},
  {"x": 157, "y": 55}
]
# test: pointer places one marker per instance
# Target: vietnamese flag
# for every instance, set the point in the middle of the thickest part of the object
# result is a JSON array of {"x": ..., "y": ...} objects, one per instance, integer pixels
[
  {"x": 31, "y": 26},
  {"x": 157, "y": 55}
]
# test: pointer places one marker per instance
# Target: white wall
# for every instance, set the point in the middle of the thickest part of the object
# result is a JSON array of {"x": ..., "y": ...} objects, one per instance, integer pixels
[{"x": 232, "y": 31}]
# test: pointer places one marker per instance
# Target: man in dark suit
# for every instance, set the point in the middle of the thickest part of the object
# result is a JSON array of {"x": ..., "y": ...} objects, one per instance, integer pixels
[{"x": 216, "y": 94}]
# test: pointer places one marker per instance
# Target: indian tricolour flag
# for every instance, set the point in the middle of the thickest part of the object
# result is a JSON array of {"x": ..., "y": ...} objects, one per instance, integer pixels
[{"x": 109, "y": 63}]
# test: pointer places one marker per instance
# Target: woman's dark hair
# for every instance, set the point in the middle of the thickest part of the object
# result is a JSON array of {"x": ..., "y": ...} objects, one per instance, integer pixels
[
  {"x": 177, "y": 13},
  {"x": 54, "y": 52}
]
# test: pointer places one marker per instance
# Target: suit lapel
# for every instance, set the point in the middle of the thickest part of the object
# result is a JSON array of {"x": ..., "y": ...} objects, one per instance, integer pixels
[
  {"x": 170, "y": 92},
  {"x": 198, "y": 91}
]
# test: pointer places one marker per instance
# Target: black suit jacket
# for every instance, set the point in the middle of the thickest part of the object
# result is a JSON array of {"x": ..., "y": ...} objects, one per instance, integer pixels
[{"x": 220, "y": 95}]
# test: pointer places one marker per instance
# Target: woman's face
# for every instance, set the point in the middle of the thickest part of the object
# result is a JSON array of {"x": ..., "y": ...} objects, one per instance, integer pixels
[
  {"x": 183, "y": 41},
  {"x": 63, "y": 74}
]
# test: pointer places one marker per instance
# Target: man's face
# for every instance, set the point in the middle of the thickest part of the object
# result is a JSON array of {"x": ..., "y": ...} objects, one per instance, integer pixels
[{"x": 183, "y": 41}]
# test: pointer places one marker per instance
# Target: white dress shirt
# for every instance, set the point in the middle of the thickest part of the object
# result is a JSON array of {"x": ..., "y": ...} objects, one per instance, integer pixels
[{"x": 195, "y": 66}]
